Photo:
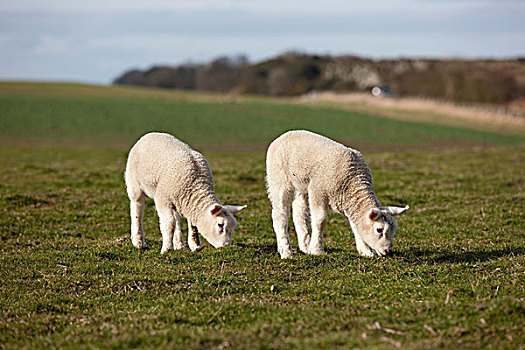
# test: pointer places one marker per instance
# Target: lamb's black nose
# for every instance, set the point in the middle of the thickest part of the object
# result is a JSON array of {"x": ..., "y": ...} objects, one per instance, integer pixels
[{"x": 388, "y": 251}]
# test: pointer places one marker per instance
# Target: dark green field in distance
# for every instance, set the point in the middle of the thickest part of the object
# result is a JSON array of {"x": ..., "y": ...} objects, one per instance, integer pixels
[
  {"x": 116, "y": 117},
  {"x": 70, "y": 278}
]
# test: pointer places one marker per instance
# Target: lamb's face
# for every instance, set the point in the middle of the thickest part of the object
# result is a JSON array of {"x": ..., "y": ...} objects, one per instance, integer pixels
[
  {"x": 379, "y": 234},
  {"x": 380, "y": 228},
  {"x": 219, "y": 225}
]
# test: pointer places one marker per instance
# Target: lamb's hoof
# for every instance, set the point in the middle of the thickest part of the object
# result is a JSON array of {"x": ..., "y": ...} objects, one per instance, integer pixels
[
  {"x": 286, "y": 254},
  {"x": 316, "y": 252},
  {"x": 164, "y": 250},
  {"x": 303, "y": 249},
  {"x": 139, "y": 244},
  {"x": 366, "y": 253}
]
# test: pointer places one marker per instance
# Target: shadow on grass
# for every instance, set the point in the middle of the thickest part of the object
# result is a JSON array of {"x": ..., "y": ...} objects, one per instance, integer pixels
[
  {"x": 272, "y": 248},
  {"x": 475, "y": 256},
  {"x": 264, "y": 248},
  {"x": 329, "y": 250}
]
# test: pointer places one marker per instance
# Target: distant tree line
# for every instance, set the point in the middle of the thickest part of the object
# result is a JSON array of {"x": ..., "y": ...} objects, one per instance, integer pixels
[{"x": 293, "y": 73}]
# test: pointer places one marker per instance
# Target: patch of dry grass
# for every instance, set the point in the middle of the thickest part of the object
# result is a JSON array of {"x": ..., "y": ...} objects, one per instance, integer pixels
[{"x": 482, "y": 117}]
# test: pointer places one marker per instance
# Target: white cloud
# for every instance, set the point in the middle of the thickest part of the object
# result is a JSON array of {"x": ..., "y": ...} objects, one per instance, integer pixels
[{"x": 52, "y": 46}]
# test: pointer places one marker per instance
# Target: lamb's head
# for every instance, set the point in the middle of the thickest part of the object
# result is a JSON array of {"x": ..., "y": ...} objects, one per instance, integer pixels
[
  {"x": 218, "y": 224},
  {"x": 379, "y": 228}
]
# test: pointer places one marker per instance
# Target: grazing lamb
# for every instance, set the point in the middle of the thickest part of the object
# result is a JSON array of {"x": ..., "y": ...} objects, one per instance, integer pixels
[
  {"x": 179, "y": 179},
  {"x": 316, "y": 174}
]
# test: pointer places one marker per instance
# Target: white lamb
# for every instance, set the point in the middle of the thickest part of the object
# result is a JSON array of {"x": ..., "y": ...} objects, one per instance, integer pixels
[
  {"x": 180, "y": 181},
  {"x": 316, "y": 174}
]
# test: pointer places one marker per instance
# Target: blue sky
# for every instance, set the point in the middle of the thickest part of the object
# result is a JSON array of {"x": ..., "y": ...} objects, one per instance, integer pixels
[{"x": 95, "y": 41}]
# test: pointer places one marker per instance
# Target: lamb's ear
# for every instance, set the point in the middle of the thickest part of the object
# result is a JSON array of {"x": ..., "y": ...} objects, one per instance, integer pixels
[
  {"x": 373, "y": 214},
  {"x": 396, "y": 210},
  {"x": 215, "y": 209},
  {"x": 235, "y": 208}
]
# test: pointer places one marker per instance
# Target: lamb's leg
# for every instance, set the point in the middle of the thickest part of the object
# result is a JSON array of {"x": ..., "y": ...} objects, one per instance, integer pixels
[
  {"x": 178, "y": 241},
  {"x": 319, "y": 215},
  {"x": 137, "y": 205},
  {"x": 301, "y": 220},
  {"x": 280, "y": 214},
  {"x": 193, "y": 237},
  {"x": 362, "y": 248},
  {"x": 167, "y": 223}
]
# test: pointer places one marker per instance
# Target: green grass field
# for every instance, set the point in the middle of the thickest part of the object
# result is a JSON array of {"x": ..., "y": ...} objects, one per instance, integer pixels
[{"x": 70, "y": 278}]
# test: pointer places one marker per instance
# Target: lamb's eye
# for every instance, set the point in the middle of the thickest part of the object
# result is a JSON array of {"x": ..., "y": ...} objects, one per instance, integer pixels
[
  {"x": 221, "y": 225},
  {"x": 379, "y": 230}
]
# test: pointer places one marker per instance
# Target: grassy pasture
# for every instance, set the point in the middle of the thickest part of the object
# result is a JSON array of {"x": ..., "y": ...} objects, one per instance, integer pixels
[
  {"x": 116, "y": 117},
  {"x": 69, "y": 277}
]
